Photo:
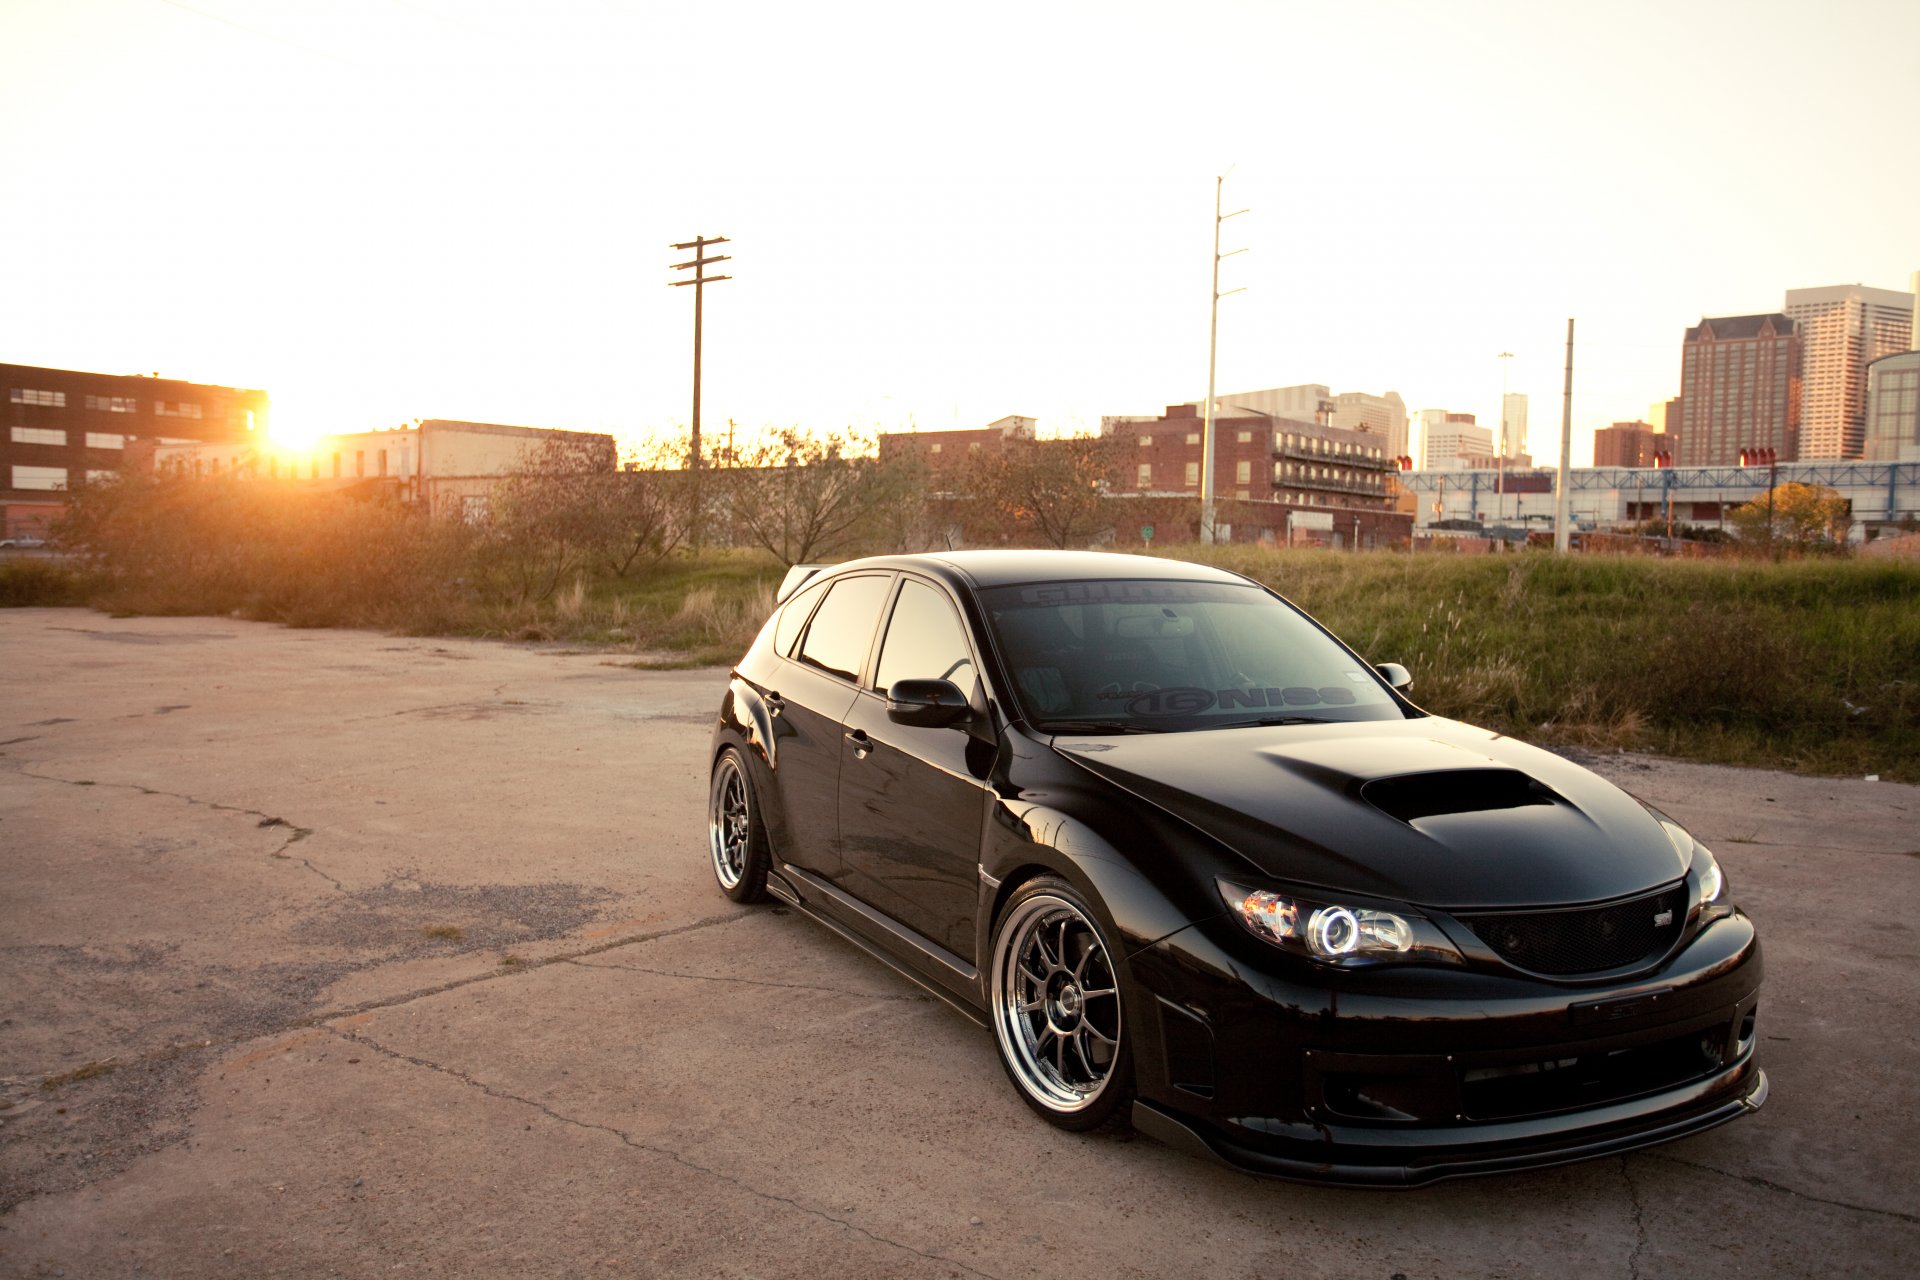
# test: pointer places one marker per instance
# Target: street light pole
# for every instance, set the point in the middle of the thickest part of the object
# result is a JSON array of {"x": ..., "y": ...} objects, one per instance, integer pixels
[
  {"x": 1213, "y": 346},
  {"x": 1500, "y": 462}
]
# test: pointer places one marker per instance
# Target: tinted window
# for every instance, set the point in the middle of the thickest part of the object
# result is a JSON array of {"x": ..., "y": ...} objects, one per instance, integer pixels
[
  {"x": 924, "y": 641},
  {"x": 1171, "y": 655},
  {"x": 842, "y": 627},
  {"x": 792, "y": 618}
]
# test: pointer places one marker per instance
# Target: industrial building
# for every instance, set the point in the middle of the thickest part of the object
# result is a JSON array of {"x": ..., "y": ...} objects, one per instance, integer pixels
[{"x": 449, "y": 466}]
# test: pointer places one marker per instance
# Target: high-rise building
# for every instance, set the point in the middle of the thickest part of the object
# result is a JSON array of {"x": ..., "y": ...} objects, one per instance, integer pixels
[
  {"x": 1307, "y": 402},
  {"x": 1739, "y": 389},
  {"x": 1893, "y": 408},
  {"x": 1513, "y": 422},
  {"x": 1843, "y": 329},
  {"x": 1447, "y": 440},
  {"x": 1383, "y": 415}
]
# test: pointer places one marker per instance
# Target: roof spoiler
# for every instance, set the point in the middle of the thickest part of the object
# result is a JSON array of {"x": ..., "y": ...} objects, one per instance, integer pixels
[{"x": 796, "y": 577}]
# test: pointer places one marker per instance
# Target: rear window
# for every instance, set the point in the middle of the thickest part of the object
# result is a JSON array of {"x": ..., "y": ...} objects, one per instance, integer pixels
[{"x": 841, "y": 631}]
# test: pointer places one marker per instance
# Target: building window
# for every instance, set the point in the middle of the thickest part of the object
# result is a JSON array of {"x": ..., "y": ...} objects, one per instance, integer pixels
[
  {"x": 213, "y": 464},
  {"x": 1193, "y": 473},
  {"x": 973, "y": 446},
  {"x": 105, "y": 440},
  {"x": 38, "y": 435},
  {"x": 1244, "y": 437},
  {"x": 934, "y": 447},
  {"x": 182, "y": 409},
  {"x": 95, "y": 476},
  {"x": 27, "y": 395},
  {"x": 39, "y": 477},
  {"x": 1146, "y": 442},
  {"x": 1146, "y": 475},
  {"x": 1193, "y": 437},
  {"x": 249, "y": 419},
  {"x": 383, "y": 462},
  {"x": 111, "y": 404},
  {"x": 1243, "y": 474},
  {"x": 359, "y": 462}
]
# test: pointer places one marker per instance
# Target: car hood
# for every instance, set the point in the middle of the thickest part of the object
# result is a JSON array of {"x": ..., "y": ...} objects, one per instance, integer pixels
[{"x": 1428, "y": 811}]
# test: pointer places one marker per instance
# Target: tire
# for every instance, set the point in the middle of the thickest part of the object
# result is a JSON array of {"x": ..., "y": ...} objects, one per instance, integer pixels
[
  {"x": 736, "y": 837},
  {"x": 1056, "y": 1008}
]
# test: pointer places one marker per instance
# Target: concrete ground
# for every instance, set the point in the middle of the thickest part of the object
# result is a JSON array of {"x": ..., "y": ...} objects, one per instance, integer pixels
[{"x": 331, "y": 953}]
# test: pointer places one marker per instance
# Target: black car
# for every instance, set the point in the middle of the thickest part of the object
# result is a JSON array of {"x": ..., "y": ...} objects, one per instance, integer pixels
[{"x": 1201, "y": 867}]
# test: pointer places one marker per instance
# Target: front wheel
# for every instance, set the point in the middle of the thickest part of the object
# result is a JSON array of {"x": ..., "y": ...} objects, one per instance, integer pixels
[
  {"x": 1056, "y": 1007},
  {"x": 736, "y": 838}
]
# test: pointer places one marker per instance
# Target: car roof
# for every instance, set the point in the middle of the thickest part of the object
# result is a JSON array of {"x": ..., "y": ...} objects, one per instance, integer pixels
[{"x": 997, "y": 568}]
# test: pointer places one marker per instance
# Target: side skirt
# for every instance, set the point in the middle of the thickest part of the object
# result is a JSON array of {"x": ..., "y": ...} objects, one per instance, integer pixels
[{"x": 795, "y": 887}]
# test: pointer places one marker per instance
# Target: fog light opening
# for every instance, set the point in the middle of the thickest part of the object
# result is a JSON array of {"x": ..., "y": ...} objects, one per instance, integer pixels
[
  {"x": 1747, "y": 1027},
  {"x": 1713, "y": 1047}
]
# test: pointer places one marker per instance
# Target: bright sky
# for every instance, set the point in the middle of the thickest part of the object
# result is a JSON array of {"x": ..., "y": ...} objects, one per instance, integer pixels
[{"x": 386, "y": 209}]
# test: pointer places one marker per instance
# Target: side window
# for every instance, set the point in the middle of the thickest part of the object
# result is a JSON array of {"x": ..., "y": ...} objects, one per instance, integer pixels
[
  {"x": 842, "y": 626},
  {"x": 793, "y": 616},
  {"x": 924, "y": 641}
]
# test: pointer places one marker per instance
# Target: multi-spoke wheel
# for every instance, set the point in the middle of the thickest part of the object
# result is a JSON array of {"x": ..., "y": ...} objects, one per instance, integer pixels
[
  {"x": 1057, "y": 1009},
  {"x": 735, "y": 837}
]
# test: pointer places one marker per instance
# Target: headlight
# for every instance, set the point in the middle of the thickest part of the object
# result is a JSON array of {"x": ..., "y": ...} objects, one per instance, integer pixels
[
  {"x": 1713, "y": 881},
  {"x": 1332, "y": 931},
  {"x": 1705, "y": 868}
]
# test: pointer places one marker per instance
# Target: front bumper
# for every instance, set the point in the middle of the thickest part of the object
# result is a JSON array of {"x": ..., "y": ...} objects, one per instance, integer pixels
[
  {"x": 1435, "y": 1154},
  {"x": 1409, "y": 1076}
]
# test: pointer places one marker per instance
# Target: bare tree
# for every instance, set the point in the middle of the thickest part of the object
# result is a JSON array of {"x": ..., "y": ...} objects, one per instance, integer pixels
[
  {"x": 802, "y": 496},
  {"x": 643, "y": 514},
  {"x": 1050, "y": 492},
  {"x": 545, "y": 522}
]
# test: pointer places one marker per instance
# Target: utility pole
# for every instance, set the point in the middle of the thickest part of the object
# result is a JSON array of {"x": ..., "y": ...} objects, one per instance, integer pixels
[
  {"x": 1562, "y": 500},
  {"x": 1213, "y": 347},
  {"x": 699, "y": 280}
]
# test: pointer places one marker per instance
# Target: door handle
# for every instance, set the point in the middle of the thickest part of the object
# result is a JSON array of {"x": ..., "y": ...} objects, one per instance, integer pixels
[{"x": 861, "y": 743}]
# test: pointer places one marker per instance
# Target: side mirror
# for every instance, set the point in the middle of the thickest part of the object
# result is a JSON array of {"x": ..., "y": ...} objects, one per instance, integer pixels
[
  {"x": 1396, "y": 676},
  {"x": 927, "y": 704}
]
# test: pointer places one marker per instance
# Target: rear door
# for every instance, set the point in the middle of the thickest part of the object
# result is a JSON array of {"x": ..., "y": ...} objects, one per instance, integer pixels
[{"x": 810, "y": 695}]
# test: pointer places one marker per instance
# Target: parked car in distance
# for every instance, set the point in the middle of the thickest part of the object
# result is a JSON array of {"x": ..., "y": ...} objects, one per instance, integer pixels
[
  {"x": 23, "y": 541},
  {"x": 1200, "y": 867}
]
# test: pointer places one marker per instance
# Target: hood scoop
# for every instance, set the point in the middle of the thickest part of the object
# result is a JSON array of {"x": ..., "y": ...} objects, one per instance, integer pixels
[{"x": 1414, "y": 796}]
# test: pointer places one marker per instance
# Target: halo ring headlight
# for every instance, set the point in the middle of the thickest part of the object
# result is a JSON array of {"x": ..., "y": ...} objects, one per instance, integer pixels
[{"x": 1333, "y": 931}]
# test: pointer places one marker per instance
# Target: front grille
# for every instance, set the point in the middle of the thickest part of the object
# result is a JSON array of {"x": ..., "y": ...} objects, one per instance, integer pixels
[{"x": 1585, "y": 939}]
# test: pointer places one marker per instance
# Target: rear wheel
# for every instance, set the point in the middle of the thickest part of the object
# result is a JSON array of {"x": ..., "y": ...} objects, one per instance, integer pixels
[
  {"x": 736, "y": 838},
  {"x": 1056, "y": 1007}
]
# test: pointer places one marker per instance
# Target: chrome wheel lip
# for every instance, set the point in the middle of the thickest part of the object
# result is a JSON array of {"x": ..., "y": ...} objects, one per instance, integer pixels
[
  {"x": 729, "y": 822},
  {"x": 1016, "y": 1028}
]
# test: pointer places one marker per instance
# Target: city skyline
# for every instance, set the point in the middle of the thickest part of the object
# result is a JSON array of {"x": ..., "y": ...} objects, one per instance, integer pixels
[{"x": 387, "y": 210}]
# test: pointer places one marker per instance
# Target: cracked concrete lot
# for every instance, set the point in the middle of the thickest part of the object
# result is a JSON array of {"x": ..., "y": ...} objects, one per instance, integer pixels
[{"x": 331, "y": 953}]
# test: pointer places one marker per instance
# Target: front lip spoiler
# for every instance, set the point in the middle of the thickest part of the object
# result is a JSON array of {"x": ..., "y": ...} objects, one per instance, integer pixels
[{"x": 1177, "y": 1134}]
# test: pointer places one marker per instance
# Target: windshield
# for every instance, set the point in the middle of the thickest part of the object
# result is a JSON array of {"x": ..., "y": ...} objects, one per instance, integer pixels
[{"x": 1129, "y": 656}]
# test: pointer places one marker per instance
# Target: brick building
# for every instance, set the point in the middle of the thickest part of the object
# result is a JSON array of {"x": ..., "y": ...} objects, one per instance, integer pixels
[
  {"x": 1628, "y": 444},
  {"x": 63, "y": 426},
  {"x": 1739, "y": 389}
]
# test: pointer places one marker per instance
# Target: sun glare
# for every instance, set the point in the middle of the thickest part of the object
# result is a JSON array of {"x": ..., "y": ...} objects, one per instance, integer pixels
[{"x": 292, "y": 430}]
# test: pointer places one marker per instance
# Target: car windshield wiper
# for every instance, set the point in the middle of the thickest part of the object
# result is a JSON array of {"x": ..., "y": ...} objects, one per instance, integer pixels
[
  {"x": 1267, "y": 720},
  {"x": 1100, "y": 726}
]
